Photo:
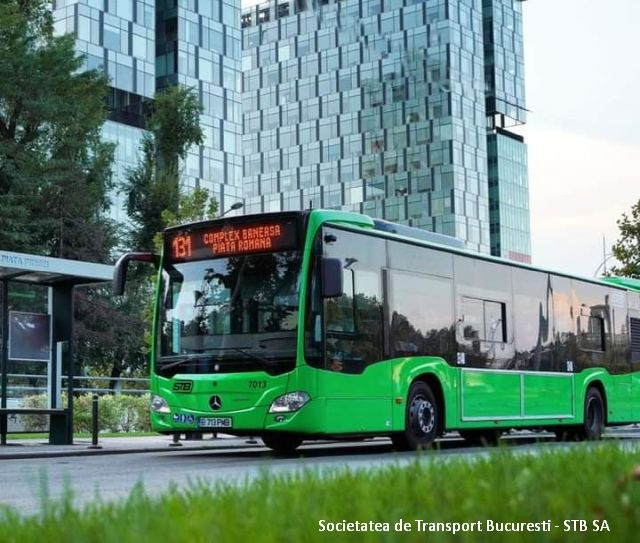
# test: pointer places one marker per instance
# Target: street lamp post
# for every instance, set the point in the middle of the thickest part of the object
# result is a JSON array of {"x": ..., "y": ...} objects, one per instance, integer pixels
[
  {"x": 603, "y": 264},
  {"x": 234, "y": 207},
  {"x": 605, "y": 258}
]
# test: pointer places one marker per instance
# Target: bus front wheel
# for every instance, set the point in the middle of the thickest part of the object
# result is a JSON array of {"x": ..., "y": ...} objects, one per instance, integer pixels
[
  {"x": 421, "y": 419},
  {"x": 282, "y": 443}
]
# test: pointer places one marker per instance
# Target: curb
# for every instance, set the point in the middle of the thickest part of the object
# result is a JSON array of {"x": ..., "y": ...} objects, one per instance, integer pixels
[{"x": 138, "y": 450}]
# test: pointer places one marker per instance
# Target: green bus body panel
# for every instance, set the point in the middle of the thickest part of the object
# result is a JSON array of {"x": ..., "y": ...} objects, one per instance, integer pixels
[
  {"x": 407, "y": 370},
  {"x": 246, "y": 405},
  {"x": 374, "y": 402},
  {"x": 487, "y": 394},
  {"x": 548, "y": 395},
  {"x": 357, "y": 403}
]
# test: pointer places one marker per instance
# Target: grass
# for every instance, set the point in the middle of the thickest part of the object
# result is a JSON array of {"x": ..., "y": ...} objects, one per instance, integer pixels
[{"x": 588, "y": 482}]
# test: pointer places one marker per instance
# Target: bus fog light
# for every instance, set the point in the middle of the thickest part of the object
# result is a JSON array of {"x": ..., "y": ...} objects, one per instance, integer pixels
[
  {"x": 159, "y": 404},
  {"x": 288, "y": 403}
]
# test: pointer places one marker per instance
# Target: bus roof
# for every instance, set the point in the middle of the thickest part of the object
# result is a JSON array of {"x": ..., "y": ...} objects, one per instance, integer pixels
[
  {"x": 415, "y": 235},
  {"x": 626, "y": 282},
  {"x": 360, "y": 221}
]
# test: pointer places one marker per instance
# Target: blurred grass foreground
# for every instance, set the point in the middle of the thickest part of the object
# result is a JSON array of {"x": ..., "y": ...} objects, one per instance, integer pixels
[{"x": 590, "y": 483}]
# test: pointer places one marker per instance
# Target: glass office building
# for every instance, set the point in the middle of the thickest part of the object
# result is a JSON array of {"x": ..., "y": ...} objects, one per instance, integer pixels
[
  {"x": 509, "y": 197},
  {"x": 507, "y": 152},
  {"x": 198, "y": 46},
  {"x": 118, "y": 37},
  {"x": 382, "y": 106},
  {"x": 394, "y": 108},
  {"x": 145, "y": 45}
]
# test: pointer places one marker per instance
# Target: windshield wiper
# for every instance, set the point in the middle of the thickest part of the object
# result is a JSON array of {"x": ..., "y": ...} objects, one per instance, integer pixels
[
  {"x": 197, "y": 359},
  {"x": 264, "y": 362}
]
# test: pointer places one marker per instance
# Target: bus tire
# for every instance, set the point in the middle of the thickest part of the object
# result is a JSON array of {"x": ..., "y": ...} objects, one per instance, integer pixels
[
  {"x": 421, "y": 419},
  {"x": 282, "y": 443},
  {"x": 486, "y": 438},
  {"x": 594, "y": 416}
]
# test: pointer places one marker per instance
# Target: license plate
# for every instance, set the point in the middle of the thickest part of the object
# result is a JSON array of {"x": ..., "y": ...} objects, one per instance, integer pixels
[{"x": 215, "y": 422}]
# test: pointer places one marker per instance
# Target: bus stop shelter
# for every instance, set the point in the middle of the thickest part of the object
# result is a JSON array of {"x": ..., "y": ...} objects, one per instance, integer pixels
[{"x": 42, "y": 338}]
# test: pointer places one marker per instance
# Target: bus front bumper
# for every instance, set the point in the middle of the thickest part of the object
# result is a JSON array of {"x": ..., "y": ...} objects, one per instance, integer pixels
[{"x": 257, "y": 419}]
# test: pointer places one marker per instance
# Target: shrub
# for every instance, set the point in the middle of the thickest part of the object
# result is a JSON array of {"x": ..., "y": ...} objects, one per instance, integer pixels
[
  {"x": 35, "y": 423},
  {"x": 134, "y": 415},
  {"x": 116, "y": 413}
]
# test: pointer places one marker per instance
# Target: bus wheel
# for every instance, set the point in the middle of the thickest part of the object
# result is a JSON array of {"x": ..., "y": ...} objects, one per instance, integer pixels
[
  {"x": 486, "y": 438},
  {"x": 593, "y": 425},
  {"x": 282, "y": 443},
  {"x": 421, "y": 419}
]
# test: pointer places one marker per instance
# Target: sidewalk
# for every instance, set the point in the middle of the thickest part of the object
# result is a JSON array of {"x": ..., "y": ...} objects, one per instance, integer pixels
[{"x": 37, "y": 448}]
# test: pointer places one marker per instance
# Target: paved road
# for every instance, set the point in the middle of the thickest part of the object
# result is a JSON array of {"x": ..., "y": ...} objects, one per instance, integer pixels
[{"x": 25, "y": 481}]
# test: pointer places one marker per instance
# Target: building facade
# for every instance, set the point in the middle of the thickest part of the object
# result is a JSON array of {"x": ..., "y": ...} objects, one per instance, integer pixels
[
  {"x": 119, "y": 38},
  {"x": 507, "y": 152},
  {"x": 399, "y": 109},
  {"x": 387, "y": 107},
  {"x": 145, "y": 45},
  {"x": 198, "y": 45}
]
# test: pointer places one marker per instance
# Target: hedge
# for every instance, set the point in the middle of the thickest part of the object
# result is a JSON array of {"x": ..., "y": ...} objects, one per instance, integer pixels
[{"x": 116, "y": 413}]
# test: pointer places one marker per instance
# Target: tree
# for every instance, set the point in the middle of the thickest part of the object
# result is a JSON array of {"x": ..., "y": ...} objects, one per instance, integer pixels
[
  {"x": 153, "y": 188},
  {"x": 155, "y": 199},
  {"x": 193, "y": 206},
  {"x": 627, "y": 248},
  {"x": 55, "y": 173}
]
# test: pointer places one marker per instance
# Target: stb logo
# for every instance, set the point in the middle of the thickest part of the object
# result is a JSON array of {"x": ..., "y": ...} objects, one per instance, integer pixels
[
  {"x": 183, "y": 386},
  {"x": 215, "y": 402}
]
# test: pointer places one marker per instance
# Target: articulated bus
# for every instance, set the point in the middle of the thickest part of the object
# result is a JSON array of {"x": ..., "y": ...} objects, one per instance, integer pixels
[{"x": 327, "y": 324}]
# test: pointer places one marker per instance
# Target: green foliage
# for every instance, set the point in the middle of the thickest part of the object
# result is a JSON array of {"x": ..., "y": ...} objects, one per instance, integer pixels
[
  {"x": 501, "y": 486},
  {"x": 116, "y": 413},
  {"x": 35, "y": 423},
  {"x": 134, "y": 413},
  {"x": 111, "y": 330},
  {"x": 154, "y": 196},
  {"x": 55, "y": 172},
  {"x": 175, "y": 125},
  {"x": 153, "y": 188},
  {"x": 193, "y": 206},
  {"x": 627, "y": 248}
]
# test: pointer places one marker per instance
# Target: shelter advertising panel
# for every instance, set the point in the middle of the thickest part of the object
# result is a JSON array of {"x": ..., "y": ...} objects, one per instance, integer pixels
[{"x": 29, "y": 336}]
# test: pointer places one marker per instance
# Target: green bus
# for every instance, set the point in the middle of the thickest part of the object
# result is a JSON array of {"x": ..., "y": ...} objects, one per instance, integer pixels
[{"x": 328, "y": 324}]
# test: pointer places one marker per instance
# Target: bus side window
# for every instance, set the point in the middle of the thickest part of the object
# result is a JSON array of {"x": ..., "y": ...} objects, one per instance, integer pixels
[
  {"x": 483, "y": 320},
  {"x": 472, "y": 318}
]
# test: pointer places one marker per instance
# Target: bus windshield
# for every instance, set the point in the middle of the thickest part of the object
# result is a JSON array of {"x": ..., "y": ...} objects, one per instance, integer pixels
[{"x": 227, "y": 306}]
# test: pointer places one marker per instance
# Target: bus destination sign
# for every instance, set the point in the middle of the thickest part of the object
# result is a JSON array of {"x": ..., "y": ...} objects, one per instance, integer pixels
[{"x": 232, "y": 239}]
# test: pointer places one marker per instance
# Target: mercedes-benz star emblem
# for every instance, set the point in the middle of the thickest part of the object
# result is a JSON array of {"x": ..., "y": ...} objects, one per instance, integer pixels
[{"x": 215, "y": 402}]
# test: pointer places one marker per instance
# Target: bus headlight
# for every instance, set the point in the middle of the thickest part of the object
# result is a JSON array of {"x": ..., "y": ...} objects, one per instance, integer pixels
[
  {"x": 159, "y": 404},
  {"x": 288, "y": 403}
]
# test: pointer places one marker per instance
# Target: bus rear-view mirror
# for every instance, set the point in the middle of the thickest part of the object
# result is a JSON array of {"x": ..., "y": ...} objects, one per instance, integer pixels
[
  {"x": 331, "y": 277},
  {"x": 120, "y": 269}
]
